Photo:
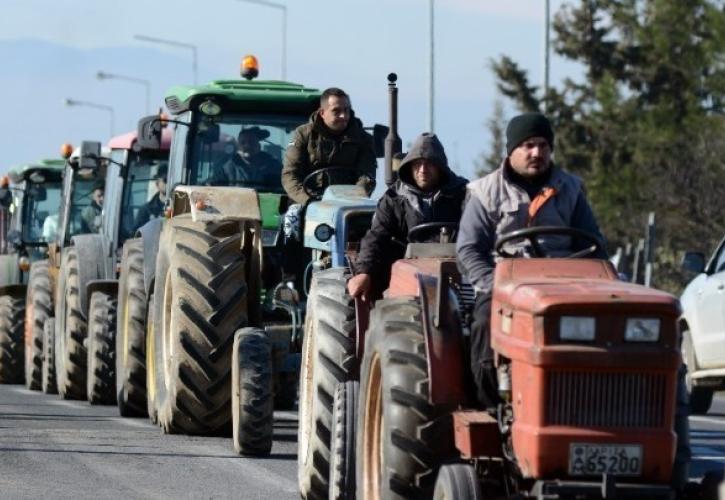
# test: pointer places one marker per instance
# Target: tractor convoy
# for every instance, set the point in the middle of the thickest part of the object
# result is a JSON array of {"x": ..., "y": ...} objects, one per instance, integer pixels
[{"x": 159, "y": 275}]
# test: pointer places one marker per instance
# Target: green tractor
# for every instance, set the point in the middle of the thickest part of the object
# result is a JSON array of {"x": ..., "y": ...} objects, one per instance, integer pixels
[
  {"x": 27, "y": 212},
  {"x": 222, "y": 318},
  {"x": 58, "y": 278}
]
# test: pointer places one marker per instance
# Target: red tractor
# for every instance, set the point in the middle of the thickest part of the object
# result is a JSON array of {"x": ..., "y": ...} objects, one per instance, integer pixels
[{"x": 587, "y": 369}]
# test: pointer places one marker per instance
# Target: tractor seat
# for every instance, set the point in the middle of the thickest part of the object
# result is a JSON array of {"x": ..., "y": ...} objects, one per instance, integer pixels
[{"x": 430, "y": 250}]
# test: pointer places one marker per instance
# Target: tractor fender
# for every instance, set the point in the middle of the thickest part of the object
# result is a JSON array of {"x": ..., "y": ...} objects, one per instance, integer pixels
[
  {"x": 94, "y": 262},
  {"x": 150, "y": 235},
  {"x": 212, "y": 203},
  {"x": 15, "y": 291},
  {"x": 9, "y": 270},
  {"x": 443, "y": 336},
  {"x": 109, "y": 286}
]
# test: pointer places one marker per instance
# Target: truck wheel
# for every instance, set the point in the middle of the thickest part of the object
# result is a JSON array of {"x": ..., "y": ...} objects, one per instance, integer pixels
[
  {"x": 130, "y": 333},
  {"x": 328, "y": 358},
  {"x": 200, "y": 302},
  {"x": 342, "y": 451},
  {"x": 700, "y": 397},
  {"x": 71, "y": 331},
  {"x": 48, "y": 382},
  {"x": 38, "y": 308},
  {"x": 399, "y": 442},
  {"x": 457, "y": 482},
  {"x": 252, "y": 400},
  {"x": 12, "y": 348},
  {"x": 101, "y": 349}
]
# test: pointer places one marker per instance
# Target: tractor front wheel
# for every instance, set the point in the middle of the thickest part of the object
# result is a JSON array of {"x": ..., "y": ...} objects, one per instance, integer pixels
[
  {"x": 252, "y": 400},
  {"x": 38, "y": 308},
  {"x": 457, "y": 482},
  {"x": 342, "y": 451},
  {"x": 12, "y": 348},
  {"x": 48, "y": 382},
  {"x": 101, "y": 349}
]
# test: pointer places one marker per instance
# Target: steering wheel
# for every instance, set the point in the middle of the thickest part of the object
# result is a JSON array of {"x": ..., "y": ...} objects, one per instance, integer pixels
[
  {"x": 315, "y": 192},
  {"x": 531, "y": 233},
  {"x": 428, "y": 227}
]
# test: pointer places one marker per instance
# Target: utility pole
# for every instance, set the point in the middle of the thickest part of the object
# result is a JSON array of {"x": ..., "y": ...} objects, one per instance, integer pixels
[
  {"x": 431, "y": 68},
  {"x": 546, "y": 53}
]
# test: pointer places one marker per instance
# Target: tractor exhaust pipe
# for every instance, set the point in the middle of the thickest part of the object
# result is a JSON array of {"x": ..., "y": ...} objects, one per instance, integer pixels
[{"x": 393, "y": 144}]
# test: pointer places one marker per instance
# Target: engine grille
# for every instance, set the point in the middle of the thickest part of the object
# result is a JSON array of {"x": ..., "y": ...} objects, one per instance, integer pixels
[{"x": 584, "y": 399}]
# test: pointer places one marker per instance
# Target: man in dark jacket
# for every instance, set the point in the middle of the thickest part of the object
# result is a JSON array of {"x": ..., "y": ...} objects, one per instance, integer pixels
[
  {"x": 332, "y": 138},
  {"x": 249, "y": 164},
  {"x": 426, "y": 191},
  {"x": 154, "y": 208},
  {"x": 91, "y": 215}
]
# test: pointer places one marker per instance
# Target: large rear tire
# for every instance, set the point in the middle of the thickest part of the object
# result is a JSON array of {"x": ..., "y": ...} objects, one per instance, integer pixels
[
  {"x": 49, "y": 384},
  {"x": 200, "y": 301},
  {"x": 252, "y": 400},
  {"x": 101, "y": 349},
  {"x": 12, "y": 347},
  {"x": 342, "y": 451},
  {"x": 399, "y": 444},
  {"x": 38, "y": 308},
  {"x": 328, "y": 358},
  {"x": 457, "y": 482},
  {"x": 71, "y": 331},
  {"x": 131, "y": 333},
  {"x": 152, "y": 409},
  {"x": 700, "y": 397}
]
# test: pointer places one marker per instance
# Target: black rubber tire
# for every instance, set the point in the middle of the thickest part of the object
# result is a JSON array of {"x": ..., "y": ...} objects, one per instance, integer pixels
[
  {"x": 700, "y": 397},
  {"x": 328, "y": 358},
  {"x": 131, "y": 333},
  {"x": 457, "y": 482},
  {"x": 401, "y": 441},
  {"x": 48, "y": 382},
  {"x": 285, "y": 393},
  {"x": 342, "y": 451},
  {"x": 38, "y": 308},
  {"x": 101, "y": 384},
  {"x": 71, "y": 330},
  {"x": 200, "y": 302},
  {"x": 12, "y": 341},
  {"x": 252, "y": 399}
]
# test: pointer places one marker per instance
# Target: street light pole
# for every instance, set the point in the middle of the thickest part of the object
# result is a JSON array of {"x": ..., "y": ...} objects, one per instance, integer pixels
[
  {"x": 546, "y": 53},
  {"x": 75, "y": 102},
  {"x": 174, "y": 43},
  {"x": 431, "y": 61},
  {"x": 101, "y": 75},
  {"x": 283, "y": 8}
]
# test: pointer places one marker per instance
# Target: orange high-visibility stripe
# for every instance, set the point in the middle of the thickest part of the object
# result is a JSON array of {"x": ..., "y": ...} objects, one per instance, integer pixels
[{"x": 539, "y": 201}]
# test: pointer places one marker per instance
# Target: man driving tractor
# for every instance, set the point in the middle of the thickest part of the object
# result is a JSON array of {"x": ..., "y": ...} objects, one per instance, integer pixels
[
  {"x": 426, "y": 191},
  {"x": 529, "y": 190}
]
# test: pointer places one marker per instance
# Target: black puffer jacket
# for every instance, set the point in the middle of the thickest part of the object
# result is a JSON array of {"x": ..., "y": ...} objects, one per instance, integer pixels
[{"x": 404, "y": 206}]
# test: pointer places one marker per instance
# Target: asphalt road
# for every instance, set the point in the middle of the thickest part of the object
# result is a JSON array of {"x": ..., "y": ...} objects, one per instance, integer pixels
[{"x": 50, "y": 448}]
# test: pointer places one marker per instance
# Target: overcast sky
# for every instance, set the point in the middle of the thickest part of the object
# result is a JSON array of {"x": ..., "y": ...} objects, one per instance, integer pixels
[{"x": 352, "y": 44}]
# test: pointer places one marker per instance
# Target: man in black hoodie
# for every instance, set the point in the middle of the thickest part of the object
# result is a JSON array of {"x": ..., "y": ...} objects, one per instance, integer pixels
[{"x": 426, "y": 191}]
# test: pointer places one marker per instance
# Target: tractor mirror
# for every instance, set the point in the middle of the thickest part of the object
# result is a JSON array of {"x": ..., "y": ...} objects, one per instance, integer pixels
[
  {"x": 208, "y": 132},
  {"x": 380, "y": 132},
  {"x": 693, "y": 262},
  {"x": 148, "y": 135},
  {"x": 90, "y": 155}
]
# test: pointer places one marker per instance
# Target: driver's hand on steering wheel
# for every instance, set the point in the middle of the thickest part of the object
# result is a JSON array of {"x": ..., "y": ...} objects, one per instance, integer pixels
[{"x": 359, "y": 286}]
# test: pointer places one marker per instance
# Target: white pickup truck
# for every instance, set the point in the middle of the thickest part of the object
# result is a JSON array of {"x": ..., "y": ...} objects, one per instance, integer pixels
[{"x": 703, "y": 327}]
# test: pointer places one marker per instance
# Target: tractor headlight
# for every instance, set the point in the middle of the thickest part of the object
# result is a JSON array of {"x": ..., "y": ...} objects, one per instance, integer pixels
[
  {"x": 323, "y": 232},
  {"x": 642, "y": 330},
  {"x": 579, "y": 328}
]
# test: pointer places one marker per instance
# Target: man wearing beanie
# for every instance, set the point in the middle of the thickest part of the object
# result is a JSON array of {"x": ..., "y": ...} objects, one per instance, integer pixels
[
  {"x": 426, "y": 191},
  {"x": 528, "y": 189}
]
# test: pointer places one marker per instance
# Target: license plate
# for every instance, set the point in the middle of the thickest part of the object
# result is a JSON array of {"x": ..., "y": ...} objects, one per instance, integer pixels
[{"x": 597, "y": 459}]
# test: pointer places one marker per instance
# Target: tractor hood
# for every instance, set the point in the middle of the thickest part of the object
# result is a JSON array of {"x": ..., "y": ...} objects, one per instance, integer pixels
[{"x": 542, "y": 286}]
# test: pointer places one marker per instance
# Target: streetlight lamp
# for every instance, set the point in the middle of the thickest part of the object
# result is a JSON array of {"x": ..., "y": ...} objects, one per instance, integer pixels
[
  {"x": 101, "y": 75},
  {"x": 283, "y": 8},
  {"x": 104, "y": 107},
  {"x": 173, "y": 43}
]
